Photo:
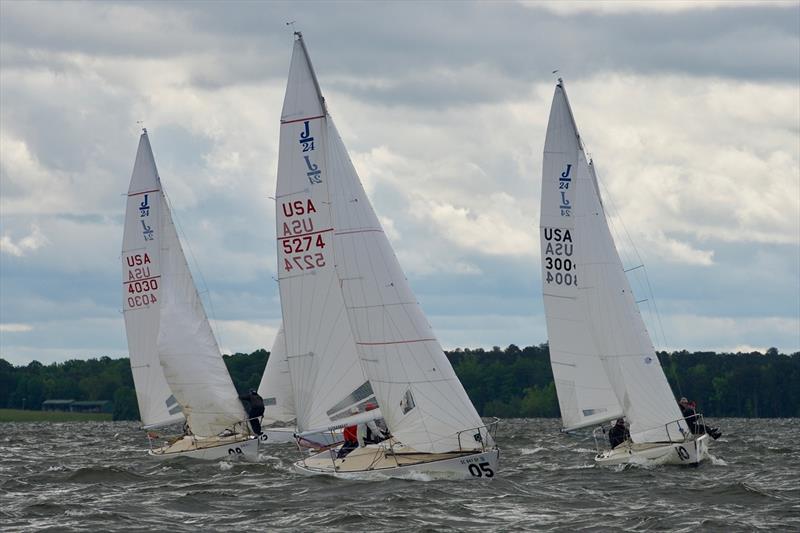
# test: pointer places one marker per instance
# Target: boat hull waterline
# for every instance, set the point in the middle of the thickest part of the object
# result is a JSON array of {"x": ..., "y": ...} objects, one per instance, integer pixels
[
  {"x": 210, "y": 449},
  {"x": 378, "y": 462},
  {"x": 691, "y": 452}
]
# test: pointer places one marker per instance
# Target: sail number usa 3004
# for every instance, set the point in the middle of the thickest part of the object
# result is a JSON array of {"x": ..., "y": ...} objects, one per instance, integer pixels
[{"x": 559, "y": 266}]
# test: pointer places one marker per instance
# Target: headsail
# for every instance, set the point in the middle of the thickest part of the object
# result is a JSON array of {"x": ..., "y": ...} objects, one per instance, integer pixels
[
  {"x": 141, "y": 277},
  {"x": 190, "y": 356},
  {"x": 423, "y": 402},
  {"x": 595, "y": 314},
  {"x": 276, "y": 384},
  {"x": 325, "y": 370}
]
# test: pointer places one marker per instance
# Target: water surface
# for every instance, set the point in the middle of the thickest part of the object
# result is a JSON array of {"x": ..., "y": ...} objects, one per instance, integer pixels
[{"x": 96, "y": 476}]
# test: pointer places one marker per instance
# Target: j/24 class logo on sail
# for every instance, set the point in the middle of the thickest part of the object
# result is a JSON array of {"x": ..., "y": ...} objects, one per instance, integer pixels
[
  {"x": 306, "y": 140},
  {"x": 563, "y": 188}
]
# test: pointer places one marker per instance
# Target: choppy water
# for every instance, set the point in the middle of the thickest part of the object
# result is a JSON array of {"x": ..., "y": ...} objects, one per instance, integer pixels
[{"x": 96, "y": 477}]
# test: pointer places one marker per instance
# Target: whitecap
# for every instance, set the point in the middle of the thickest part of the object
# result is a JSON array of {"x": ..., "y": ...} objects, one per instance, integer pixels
[
  {"x": 716, "y": 461},
  {"x": 530, "y": 451}
]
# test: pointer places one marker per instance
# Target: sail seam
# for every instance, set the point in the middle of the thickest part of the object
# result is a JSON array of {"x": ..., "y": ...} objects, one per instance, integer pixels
[
  {"x": 393, "y": 342},
  {"x": 301, "y": 119},
  {"x": 350, "y": 232},
  {"x": 305, "y": 234},
  {"x": 142, "y": 279},
  {"x": 143, "y": 192}
]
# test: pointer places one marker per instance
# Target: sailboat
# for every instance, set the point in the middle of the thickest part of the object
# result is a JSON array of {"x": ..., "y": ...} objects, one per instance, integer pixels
[
  {"x": 177, "y": 367},
  {"x": 604, "y": 363},
  {"x": 355, "y": 334},
  {"x": 276, "y": 390}
]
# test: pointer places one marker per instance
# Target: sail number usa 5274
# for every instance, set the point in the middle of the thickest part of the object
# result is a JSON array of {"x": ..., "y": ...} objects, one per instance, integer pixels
[{"x": 302, "y": 244}]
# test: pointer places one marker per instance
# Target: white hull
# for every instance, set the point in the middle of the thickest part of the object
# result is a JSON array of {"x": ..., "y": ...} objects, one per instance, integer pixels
[
  {"x": 379, "y": 462},
  {"x": 276, "y": 436},
  {"x": 690, "y": 452},
  {"x": 210, "y": 449}
]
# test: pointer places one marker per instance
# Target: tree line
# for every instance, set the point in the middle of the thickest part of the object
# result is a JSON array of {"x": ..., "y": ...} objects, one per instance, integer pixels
[{"x": 508, "y": 383}]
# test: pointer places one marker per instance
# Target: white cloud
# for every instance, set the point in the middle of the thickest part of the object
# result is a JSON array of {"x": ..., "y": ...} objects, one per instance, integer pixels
[
  {"x": 245, "y": 336},
  {"x": 571, "y": 7},
  {"x": 15, "y": 328},
  {"x": 29, "y": 243},
  {"x": 731, "y": 333},
  {"x": 700, "y": 168}
]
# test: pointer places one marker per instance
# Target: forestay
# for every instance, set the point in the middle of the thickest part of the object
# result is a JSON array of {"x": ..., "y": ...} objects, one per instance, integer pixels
[
  {"x": 422, "y": 401},
  {"x": 327, "y": 379},
  {"x": 276, "y": 384},
  {"x": 141, "y": 277},
  {"x": 189, "y": 354},
  {"x": 611, "y": 316},
  {"x": 584, "y": 393}
]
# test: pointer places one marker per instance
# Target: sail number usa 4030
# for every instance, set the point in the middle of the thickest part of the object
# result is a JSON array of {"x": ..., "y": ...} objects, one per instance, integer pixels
[
  {"x": 141, "y": 283},
  {"x": 559, "y": 266}
]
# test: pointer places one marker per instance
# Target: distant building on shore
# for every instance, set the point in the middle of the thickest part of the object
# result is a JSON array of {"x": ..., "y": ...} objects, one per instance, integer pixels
[{"x": 102, "y": 406}]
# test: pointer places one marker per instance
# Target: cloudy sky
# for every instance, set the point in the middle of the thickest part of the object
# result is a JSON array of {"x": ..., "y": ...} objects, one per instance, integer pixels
[{"x": 691, "y": 111}]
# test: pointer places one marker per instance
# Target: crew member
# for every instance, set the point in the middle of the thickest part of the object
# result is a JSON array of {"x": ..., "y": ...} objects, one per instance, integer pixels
[
  {"x": 255, "y": 409},
  {"x": 618, "y": 433}
]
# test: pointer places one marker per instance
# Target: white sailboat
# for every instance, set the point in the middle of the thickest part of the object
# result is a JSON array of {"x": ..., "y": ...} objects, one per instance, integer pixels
[
  {"x": 354, "y": 331},
  {"x": 603, "y": 360},
  {"x": 177, "y": 366},
  {"x": 276, "y": 390}
]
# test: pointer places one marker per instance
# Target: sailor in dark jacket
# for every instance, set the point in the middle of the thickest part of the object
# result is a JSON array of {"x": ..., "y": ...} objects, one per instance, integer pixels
[
  {"x": 255, "y": 410},
  {"x": 689, "y": 413},
  {"x": 618, "y": 433}
]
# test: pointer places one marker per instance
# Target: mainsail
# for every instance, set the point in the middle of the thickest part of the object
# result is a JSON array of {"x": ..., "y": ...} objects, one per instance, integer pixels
[
  {"x": 325, "y": 370},
  {"x": 603, "y": 360},
  {"x": 276, "y": 384},
  {"x": 141, "y": 277},
  {"x": 348, "y": 276},
  {"x": 170, "y": 340}
]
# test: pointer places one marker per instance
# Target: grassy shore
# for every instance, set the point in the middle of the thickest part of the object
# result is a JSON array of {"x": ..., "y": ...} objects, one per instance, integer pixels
[{"x": 20, "y": 415}]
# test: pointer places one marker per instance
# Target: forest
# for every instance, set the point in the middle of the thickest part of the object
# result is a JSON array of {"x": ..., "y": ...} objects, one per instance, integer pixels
[{"x": 508, "y": 383}]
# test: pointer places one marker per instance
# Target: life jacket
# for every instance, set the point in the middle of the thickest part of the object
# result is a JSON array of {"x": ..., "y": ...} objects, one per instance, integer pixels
[{"x": 350, "y": 434}]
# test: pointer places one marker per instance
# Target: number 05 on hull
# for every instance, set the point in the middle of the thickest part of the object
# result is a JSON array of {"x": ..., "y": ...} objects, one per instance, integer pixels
[{"x": 398, "y": 461}]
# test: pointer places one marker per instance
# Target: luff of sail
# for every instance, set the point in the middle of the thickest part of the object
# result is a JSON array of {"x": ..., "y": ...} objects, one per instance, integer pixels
[
  {"x": 141, "y": 276},
  {"x": 422, "y": 401},
  {"x": 613, "y": 320},
  {"x": 585, "y": 396},
  {"x": 327, "y": 378},
  {"x": 276, "y": 384}
]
